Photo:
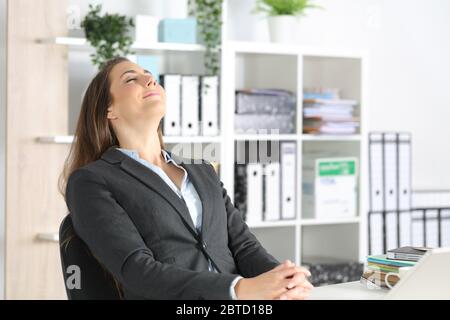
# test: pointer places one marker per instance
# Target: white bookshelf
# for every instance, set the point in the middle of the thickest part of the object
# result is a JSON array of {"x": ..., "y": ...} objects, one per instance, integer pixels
[{"x": 291, "y": 67}]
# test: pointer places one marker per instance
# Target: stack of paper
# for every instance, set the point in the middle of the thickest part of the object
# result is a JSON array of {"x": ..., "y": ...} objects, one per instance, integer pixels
[{"x": 330, "y": 116}]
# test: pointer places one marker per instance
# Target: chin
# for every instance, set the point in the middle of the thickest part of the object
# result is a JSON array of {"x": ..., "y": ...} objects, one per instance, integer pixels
[{"x": 155, "y": 108}]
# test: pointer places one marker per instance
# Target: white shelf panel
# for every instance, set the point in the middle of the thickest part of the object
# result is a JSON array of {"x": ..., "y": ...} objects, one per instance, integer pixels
[
  {"x": 56, "y": 139},
  {"x": 167, "y": 139},
  {"x": 263, "y": 48},
  {"x": 253, "y": 137},
  {"x": 82, "y": 44},
  {"x": 274, "y": 224},
  {"x": 193, "y": 139},
  {"x": 315, "y": 222},
  {"x": 329, "y": 52},
  {"x": 311, "y": 137}
]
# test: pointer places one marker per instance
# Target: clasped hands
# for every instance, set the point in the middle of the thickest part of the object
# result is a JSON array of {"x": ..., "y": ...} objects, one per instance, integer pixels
[{"x": 284, "y": 282}]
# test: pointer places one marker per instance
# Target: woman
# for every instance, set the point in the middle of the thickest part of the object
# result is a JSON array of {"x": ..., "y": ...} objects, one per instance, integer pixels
[{"x": 164, "y": 227}]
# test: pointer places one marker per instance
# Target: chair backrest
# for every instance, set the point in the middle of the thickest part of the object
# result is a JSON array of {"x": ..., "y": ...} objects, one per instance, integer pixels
[{"x": 84, "y": 277}]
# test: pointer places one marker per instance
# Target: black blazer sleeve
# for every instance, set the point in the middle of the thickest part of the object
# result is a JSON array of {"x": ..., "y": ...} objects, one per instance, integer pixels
[
  {"x": 249, "y": 255},
  {"x": 113, "y": 238}
]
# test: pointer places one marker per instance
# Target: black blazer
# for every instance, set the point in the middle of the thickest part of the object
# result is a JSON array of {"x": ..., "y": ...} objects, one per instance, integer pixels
[{"x": 142, "y": 232}]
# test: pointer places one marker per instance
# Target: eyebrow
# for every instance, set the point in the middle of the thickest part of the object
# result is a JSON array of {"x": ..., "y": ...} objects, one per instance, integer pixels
[{"x": 134, "y": 71}]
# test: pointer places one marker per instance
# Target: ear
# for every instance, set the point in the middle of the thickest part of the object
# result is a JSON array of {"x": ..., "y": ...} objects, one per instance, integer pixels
[{"x": 110, "y": 115}]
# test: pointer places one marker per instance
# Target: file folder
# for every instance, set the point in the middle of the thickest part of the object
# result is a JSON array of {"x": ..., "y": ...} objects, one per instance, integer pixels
[
  {"x": 405, "y": 229},
  {"x": 209, "y": 105},
  {"x": 254, "y": 193},
  {"x": 391, "y": 230},
  {"x": 431, "y": 229},
  {"x": 172, "y": 118},
  {"x": 376, "y": 172},
  {"x": 404, "y": 171},
  {"x": 376, "y": 239},
  {"x": 190, "y": 105},
  {"x": 390, "y": 171},
  {"x": 272, "y": 192},
  {"x": 418, "y": 228},
  {"x": 288, "y": 179},
  {"x": 445, "y": 228}
]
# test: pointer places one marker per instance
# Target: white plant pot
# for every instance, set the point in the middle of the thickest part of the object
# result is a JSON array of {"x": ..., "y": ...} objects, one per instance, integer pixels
[{"x": 283, "y": 28}]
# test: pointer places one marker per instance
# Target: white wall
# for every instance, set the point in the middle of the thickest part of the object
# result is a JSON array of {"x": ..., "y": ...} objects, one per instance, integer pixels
[{"x": 409, "y": 50}]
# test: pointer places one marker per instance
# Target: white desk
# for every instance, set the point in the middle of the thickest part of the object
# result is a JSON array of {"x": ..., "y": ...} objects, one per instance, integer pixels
[{"x": 347, "y": 291}]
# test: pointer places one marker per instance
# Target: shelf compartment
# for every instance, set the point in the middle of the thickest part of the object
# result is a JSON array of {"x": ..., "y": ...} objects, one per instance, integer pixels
[
  {"x": 279, "y": 242},
  {"x": 333, "y": 242}
]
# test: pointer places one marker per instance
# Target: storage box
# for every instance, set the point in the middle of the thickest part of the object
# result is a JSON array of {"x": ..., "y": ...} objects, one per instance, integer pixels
[
  {"x": 331, "y": 191},
  {"x": 146, "y": 30},
  {"x": 178, "y": 30}
]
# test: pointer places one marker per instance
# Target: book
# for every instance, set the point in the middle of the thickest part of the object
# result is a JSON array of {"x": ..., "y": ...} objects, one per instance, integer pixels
[
  {"x": 407, "y": 253},
  {"x": 382, "y": 259}
]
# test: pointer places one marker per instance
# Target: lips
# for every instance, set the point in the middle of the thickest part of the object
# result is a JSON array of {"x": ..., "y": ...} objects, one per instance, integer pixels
[{"x": 151, "y": 94}]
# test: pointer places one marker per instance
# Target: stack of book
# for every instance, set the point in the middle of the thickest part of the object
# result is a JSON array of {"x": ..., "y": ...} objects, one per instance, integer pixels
[
  {"x": 325, "y": 114},
  {"x": 379, "y": 266},
  {"x": 383, "y": 270}
]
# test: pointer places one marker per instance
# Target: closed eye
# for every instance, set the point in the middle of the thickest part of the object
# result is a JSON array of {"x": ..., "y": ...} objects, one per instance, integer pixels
[{"x": 129, "y": 80}]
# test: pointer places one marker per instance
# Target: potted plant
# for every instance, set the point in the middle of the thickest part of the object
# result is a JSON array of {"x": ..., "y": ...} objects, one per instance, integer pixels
[
  {"x": 108, "y": 34},
  {"x": 209, "y": 21},
  {"x": 282, "y": 16}
]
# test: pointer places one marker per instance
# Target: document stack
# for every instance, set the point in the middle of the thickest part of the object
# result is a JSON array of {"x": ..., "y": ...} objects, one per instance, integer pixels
[
  {"x": 382, "y": 271},
  {"x": 265, "y": 110},
  {"x": 328, "y": 114},
  {"x": 190, "y": 109},
  {"x": 266, "y": 192}
]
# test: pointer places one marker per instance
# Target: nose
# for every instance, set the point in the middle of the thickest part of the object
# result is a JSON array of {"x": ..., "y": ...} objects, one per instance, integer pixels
[{"x": 150, "y": 81}]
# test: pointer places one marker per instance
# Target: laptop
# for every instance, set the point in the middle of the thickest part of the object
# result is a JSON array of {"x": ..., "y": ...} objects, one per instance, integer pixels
[{"x": 428, "y": 280}]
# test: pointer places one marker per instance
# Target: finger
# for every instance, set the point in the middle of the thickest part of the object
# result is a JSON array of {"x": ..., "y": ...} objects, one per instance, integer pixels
[
  {"x": 305, "y": 271},
  {"x": 299, "y": 279},
  {"x": 290, "y": 271},
  {"x": 296, "y": 280},
  {"x": 297, "y": 293},
  {"x": 281, "y": 266}
]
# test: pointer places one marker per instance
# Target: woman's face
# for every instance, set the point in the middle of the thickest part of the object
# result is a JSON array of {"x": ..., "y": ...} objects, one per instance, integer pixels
[{"x": 137, "y": 99}]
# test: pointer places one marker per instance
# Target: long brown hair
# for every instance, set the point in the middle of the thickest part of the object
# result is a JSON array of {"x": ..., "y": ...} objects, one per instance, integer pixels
[{"x": 94, "y": 133}]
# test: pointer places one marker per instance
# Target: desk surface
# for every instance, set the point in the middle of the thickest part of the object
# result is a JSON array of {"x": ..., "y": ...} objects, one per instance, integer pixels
[{"x": 347, "y": 291}]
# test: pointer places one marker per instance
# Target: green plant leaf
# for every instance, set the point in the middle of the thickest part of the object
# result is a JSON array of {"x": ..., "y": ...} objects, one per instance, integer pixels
[{"x": 107, "y": 34}]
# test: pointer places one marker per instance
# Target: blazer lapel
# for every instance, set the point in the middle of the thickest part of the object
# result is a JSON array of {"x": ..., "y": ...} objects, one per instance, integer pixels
[
  {"x": 152, "y": 181},
  {"x": 198, "y": 180}
]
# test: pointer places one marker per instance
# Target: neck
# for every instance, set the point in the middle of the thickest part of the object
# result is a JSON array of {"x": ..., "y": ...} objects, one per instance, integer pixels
[{"x": 146, "y": 143}]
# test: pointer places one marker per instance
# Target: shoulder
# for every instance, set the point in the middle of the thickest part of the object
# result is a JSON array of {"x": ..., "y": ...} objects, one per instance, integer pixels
[{"x": 90, "y": 174}]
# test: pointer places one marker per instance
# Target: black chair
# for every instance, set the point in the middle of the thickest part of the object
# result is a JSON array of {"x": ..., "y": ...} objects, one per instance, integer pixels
[{"x": 95, "y": 282}]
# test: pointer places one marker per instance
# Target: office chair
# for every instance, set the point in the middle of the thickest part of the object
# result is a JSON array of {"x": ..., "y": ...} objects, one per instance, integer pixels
[{"x": 95, "y": 282}]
